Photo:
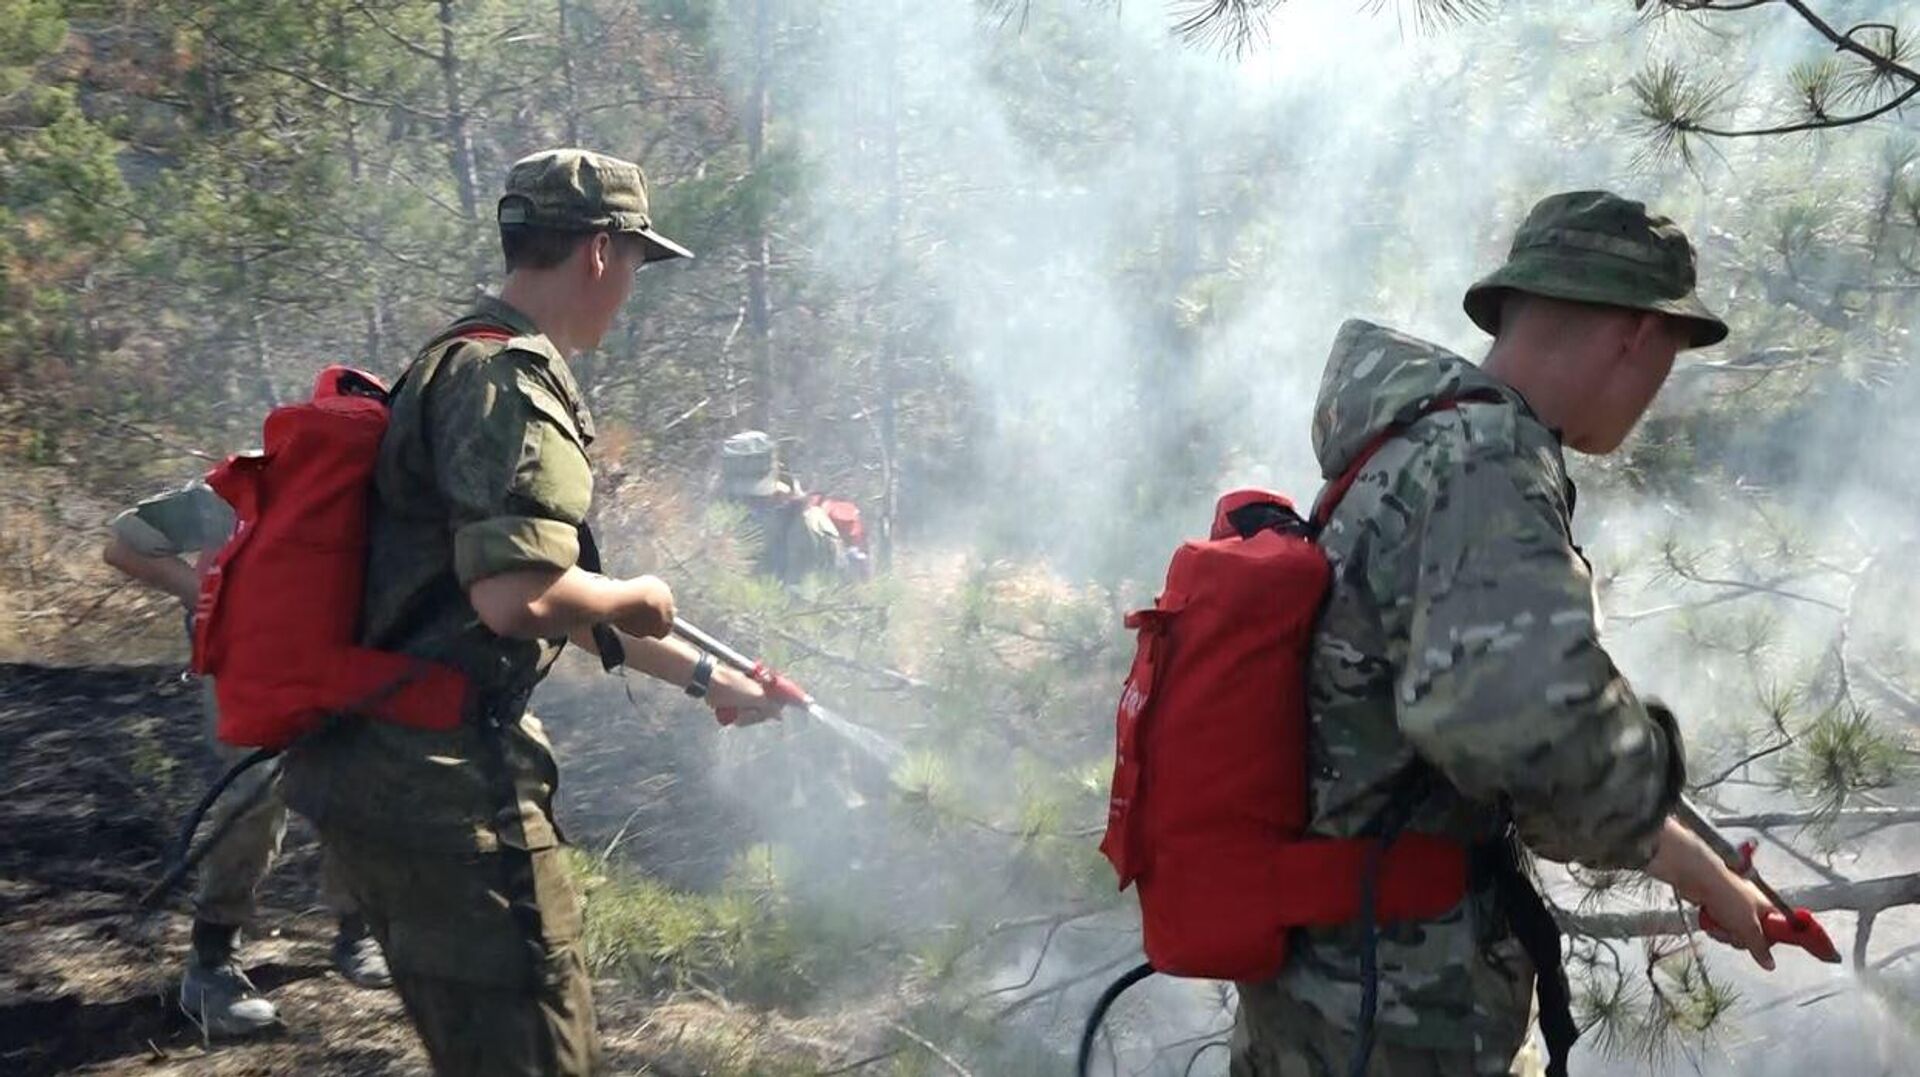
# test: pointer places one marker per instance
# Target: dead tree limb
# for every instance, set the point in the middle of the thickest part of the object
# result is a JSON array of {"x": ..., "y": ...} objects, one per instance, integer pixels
[{"x": 1862, "y": 896}]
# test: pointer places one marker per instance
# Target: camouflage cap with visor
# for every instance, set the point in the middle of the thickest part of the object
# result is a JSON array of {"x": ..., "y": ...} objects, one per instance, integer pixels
[
  {"x": 1597, "y": 247},
  {"x": 583, "y": 191}
]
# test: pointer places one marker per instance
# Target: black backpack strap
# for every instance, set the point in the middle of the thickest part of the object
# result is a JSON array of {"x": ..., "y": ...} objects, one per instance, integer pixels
[
  {"x": 612, "y": 652},
  {"x": 1406, "y": 792},
  {"x": 1539, "y": 935},
  {"x": 1251, "y": 519},
  {"x": 1497, "y": 862}
]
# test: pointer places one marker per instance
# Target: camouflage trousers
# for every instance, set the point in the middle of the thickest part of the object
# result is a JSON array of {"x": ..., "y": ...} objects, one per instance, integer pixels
[
  {"x": 251, "y": 819},
  {"x": 1276, "y": 1035},
  {"x": 485, "y": 952}
]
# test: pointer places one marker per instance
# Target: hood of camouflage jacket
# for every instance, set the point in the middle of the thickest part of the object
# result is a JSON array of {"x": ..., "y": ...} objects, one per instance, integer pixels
[{"x": 1377, "y": 378}]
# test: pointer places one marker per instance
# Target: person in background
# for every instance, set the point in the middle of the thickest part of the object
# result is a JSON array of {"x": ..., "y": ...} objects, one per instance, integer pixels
[
  {"x": 788, "y": 534},
  {"x": 150, "y": 543}
]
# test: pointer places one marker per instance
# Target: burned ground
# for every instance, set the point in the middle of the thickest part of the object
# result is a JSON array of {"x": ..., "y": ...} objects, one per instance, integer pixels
[{"x": 98, "y": 765}]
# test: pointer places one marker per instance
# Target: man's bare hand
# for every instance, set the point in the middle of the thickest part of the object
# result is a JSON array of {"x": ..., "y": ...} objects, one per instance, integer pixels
[
  {"x": 741, "y": 697},
  {"x": 1699, "y": 876},
  {"x": 649, "y": 606}
]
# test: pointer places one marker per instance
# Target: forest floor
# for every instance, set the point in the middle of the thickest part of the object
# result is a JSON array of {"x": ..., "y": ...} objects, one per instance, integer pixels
[{"x": 96, "y": 766}]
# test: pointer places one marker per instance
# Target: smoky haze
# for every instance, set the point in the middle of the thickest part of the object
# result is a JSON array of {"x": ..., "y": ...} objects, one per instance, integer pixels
[{"x": 1152, "y": 273}]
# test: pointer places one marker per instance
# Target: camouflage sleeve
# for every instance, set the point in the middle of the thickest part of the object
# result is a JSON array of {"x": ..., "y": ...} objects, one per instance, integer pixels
[
  {"x": 511, "y": 465},
  {"x": 186, "y": 520},
  {"x": 1505, "y": 687}
]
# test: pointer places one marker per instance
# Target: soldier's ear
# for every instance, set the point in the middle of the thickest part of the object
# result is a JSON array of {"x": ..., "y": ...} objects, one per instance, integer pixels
[
  {"x": 1653, "y": 329},
  {"x": 600, "y": 254},
  {"x": 1633, "y": 333}
]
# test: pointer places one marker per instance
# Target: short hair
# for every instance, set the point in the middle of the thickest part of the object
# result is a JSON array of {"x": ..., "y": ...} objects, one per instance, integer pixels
[
  {"x": 528, "y": 247},
  {"x": 1513, "y": 302}
]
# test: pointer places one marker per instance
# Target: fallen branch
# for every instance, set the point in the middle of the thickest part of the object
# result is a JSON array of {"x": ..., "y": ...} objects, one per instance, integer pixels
[
  {"x": 931, "y": 1049},
  {"x": 1864, "y": 896},
  {"x": 1128, "y": 958},
  {"x": 1873, "y": 816},
  {"x": 1890, "y": 691},
  {"x": 904, "y": 680},
  {"x": 860, "y": 1064}
]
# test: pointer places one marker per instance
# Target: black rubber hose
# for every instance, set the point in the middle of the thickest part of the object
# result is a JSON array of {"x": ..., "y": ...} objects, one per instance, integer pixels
[
  {"x": 1369, "y": 961},
  {"x": 1099, "y": 1013},
  {"x": 185, "y": 856}
]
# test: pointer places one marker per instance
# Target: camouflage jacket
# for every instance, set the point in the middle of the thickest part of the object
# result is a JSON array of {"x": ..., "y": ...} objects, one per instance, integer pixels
[
  {"x": 789, "y": 538},
  {"x": 1460, "y": 632},
  {"x": 483, "y": 470}
]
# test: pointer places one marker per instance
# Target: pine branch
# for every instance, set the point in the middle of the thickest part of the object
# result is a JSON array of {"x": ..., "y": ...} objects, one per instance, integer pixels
[
  {"x": 1747, "y": 760},
  {"x": 314, "y": 83},
  {"x": 405, "y": 42},
  {"x": 1849, "y": 42},
  {"x": 1861, "y": 896},
  {"x": 893, "y": 676},
  {"x": 1876, "y": 816},
  {"x": 1763, "y": 587},
  {"x": 1676, "y": 106},
  {"x": 1816, "y": 124},
  {"x": 1127, "y": 958},
  {"x": 1237, "y": 26}
]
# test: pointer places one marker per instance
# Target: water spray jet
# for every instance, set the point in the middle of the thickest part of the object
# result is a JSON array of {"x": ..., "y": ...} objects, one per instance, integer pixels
[{"x": 787, "y": 692}]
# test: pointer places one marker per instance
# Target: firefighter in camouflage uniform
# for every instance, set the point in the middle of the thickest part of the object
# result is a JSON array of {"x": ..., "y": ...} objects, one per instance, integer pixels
[
  {"x": 1458, "y": 663},
  {"x": 480, "y": 560},
  {"x": 149, "y": 543}
]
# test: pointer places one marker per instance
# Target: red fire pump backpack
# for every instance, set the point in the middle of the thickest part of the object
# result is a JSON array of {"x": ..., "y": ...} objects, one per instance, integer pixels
[
  {"x": 846, "y": 520},
  {"x": 279, "y": 609},
  {"x": 852, "y": 531},
  {"x": 1209, "y": 803},
  {"x": 278, "y": 615}
]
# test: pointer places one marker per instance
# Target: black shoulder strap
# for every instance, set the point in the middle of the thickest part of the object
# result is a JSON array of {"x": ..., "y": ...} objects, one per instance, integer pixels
[
  {"x": 1539, "y": 935},
  {"x": 612, "y": 652}
]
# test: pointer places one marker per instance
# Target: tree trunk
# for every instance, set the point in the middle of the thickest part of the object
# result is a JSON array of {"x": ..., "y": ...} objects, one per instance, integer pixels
[
  {"x": 375, "y": 316},
  {"x": 890, "y": 298},
  {"x": 1166, "y": 396},
  {"x": 249, "y": 381},
  {"x": 567, "y": 79},
  {"x": 760, "y": 404},
  {"x": 261, "y": 355},
  {"x": 459, "y": 124}
]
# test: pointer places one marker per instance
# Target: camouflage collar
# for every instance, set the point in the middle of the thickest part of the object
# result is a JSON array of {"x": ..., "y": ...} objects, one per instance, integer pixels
[
  {"x": 527, "y": 337},
  {"x": 496, "y": 311},
  {"x": 1526, "y": 408}
]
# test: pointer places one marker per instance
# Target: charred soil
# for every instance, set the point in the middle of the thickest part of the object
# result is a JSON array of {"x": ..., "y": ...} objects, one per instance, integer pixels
[{"x": 98, "y": 766}]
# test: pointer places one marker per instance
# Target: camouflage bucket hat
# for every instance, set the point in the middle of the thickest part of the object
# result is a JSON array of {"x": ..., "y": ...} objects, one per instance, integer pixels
[
  {"x": 1596, "y": 247},
  {"x": 748, "y": 467},
  {"x": 583, "y": 191}
]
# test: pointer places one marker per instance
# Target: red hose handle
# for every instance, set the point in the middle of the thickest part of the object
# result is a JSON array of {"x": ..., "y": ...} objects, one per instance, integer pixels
[
  {"x": 779, "y": 687},
  {"x": 1799, "y": 929}
]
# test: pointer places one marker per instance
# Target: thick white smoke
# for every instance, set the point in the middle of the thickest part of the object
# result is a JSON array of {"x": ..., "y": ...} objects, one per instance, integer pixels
[{"x": 1348, "y": 168}]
